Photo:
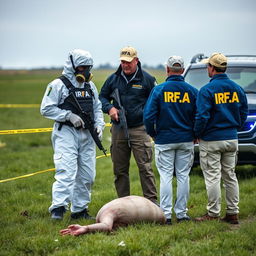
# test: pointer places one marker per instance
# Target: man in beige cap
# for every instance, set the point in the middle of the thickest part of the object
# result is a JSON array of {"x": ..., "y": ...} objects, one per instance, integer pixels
[
  {"x": 221, "y": 111},
  {"x": 133, "y": 85}
]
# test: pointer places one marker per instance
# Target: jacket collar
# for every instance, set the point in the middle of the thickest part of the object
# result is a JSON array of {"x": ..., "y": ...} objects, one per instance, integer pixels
[
  {"x": 219, "y": 76},
  {"x": 175, "y": 78}
]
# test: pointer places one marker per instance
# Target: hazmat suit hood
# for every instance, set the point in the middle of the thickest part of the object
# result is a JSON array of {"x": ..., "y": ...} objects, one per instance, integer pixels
[{"x": 80, "y": 58}]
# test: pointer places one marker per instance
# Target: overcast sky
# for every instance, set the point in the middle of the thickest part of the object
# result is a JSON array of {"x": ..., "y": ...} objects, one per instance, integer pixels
[{"x": 40, "y": 33}]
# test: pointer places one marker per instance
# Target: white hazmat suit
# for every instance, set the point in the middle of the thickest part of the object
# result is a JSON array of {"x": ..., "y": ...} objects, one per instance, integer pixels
[{"x": 74, "y": 149}]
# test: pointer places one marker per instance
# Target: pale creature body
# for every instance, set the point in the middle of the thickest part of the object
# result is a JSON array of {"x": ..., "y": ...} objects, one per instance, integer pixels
[{"x": 120, "y": 212}]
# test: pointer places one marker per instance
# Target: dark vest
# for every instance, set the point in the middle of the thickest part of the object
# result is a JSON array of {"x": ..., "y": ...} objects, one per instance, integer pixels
[{"x": 84, "y": 97}]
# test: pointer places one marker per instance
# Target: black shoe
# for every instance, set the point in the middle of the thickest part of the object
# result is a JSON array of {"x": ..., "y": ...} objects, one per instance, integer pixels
[
  {"x": 232, "y": 219},
  {"x": 187, "y": 218},
  {"x": 168, "y": 222},
  {"x": 57, "y": 213},
  {"x": 83, "y": 214}
]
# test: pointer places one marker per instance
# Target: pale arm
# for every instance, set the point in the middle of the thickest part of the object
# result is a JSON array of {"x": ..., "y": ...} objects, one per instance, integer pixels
[{"x": 105, "y": 225}]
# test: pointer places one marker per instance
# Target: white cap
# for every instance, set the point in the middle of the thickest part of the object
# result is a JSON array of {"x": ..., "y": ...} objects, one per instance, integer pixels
[{"x": 175, "y": 60}]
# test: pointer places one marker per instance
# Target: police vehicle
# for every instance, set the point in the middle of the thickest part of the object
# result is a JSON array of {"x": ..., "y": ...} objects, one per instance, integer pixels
[{"x": 242, "y": 70}]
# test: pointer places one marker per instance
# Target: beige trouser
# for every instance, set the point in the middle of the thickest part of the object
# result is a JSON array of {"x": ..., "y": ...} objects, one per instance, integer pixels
[
  {"x": 141, "y": 146},
  {"x": 218, "y": 160}
]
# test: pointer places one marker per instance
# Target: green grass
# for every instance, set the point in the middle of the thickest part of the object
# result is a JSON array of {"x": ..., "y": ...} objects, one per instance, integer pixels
[{"x": 24, "y": 219}]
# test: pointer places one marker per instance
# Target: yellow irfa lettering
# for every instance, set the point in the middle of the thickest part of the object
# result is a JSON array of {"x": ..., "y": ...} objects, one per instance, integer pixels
[
  {"x": 168, "y": 97},
  {"x": 176, "y": 96},
  {"x": 216, "y": 98},
  {"x": 226, "y": 96},
  {"x": 235, "y": 97},
  {"x": 186, "y": 98},
  {"x": 220, "y": 96},
  {"x": 165, "y": 96}
]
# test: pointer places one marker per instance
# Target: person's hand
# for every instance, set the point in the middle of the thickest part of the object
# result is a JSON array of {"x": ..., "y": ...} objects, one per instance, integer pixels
[
  {"x": 74, "y": 230},
  {"x": 99, "y": 132},
  {"x": 76, "y": 120},
  {"x": 113, "y": 113}
]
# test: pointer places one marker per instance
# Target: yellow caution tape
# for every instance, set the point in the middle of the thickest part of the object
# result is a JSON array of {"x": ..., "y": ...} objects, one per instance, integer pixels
[
  {"x": 4, "y": 132},
  {"x": 27, "y": 175},
  {"x": 25, "y": 131},
  {"x": 39, "y": 172},
  {"x": 98, "y": 157},
  {"x": 19, "y": 105}
]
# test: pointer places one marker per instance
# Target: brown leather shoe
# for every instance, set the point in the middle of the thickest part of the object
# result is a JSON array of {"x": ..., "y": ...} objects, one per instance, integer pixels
[
  {"x": 232, "y": 218},
  {"x": 205, "y": 217}
]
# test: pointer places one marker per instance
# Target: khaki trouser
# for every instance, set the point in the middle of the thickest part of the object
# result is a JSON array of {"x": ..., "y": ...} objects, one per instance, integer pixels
[
  {"x": 141, "y": 146},
  {"x": 218, "y": 160}
]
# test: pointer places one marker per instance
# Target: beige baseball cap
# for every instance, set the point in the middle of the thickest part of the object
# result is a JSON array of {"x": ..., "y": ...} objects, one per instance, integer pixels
[
  {"x": 218, "y": 60},
  {"x": 128, "y": 53},
  {"x": 175, "y": 60}
]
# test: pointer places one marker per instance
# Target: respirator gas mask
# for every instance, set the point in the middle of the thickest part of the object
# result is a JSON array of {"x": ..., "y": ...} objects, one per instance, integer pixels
[{"x": 82, "y": 72}]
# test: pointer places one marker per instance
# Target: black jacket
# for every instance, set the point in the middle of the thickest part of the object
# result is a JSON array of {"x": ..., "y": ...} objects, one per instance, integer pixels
[{"x": 133, "y": 94}]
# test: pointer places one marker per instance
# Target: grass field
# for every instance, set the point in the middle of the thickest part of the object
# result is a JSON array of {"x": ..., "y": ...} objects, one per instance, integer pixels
[{"x": 25, "y": 222}]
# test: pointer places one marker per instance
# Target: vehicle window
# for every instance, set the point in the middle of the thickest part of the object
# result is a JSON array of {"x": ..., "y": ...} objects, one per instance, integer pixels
[
  {"x": 197, "y": 77},
  {"x": 245, "y": 77}
]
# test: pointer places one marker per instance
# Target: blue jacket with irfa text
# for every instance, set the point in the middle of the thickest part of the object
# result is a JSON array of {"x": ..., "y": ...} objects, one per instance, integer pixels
[
  {"x": 221, "y": 109},
  {"x": 170, "y": 111}
]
